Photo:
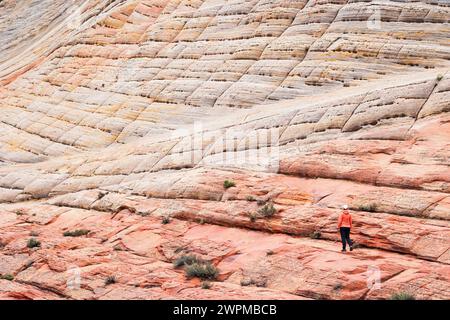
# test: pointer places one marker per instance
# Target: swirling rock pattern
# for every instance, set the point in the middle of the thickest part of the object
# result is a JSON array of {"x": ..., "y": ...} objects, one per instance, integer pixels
[{"x": 117, "y": 114}]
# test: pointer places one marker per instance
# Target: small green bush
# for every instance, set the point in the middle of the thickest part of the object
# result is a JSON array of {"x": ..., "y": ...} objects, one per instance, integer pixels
[
  {"x": 8, "y": 277},
  {"x": 403, "y": 296},
  {"x": 203, "y": 270},
  {"x": 268, "y": 210},
  {"x": 206, "y": 285},
  {"x": 110, "y": 280},
  {"x": 165, "y": 220},
  {"x": 368, "y": 207},
  {"x": 33, "y": 243},
  {"x": 261, "y": 202},
  {"x": 186, "y": 260},
  {"x": 338, "y": 287},
  {"x": 315, "y": 235},
  {"x": 20, "y": 212},
  {"x": 227, "y": 184},
  {"x": 439, "y": 77},
  {"x": 76, "y": 233}
]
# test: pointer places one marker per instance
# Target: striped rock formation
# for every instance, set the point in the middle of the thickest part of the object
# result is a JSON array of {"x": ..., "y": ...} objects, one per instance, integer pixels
[{"x": 116, "y": 116}]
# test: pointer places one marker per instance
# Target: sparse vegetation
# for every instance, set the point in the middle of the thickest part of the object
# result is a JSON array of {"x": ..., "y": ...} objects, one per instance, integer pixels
[
  {"x": 338, "y": 287},
  {"x": 8, "y": 277},
  {"x": 268, "y": 210},
  {"x": 143, "y": 213},
  {"x": 439, "y": 77},
  {"x": 76, "y": 233},
  {"x": 261, "y": 283},
  {"x": 33, "y": 243},
  {"x": 20, "y": 212},
  {"x": 110, "y": 280},
  {"x": 203, "y": 270},
  {"x": 368, "y": 207},
  {"x": 315, "y": 235},
  {"x": 196, "y": 267},
  {"x": 206, "y": 285},
  {"x": 246, "y": 282},
  {"x": 227, "y": 184},
  {"x": 253, "y": 217},
  {"x": 403, "y": 296},
  {"x": 165, "y": 220},
  {"x": 261, "y": 202},
  {"x": 250, "y": 199},
  {"x": 186, "y": 260}
]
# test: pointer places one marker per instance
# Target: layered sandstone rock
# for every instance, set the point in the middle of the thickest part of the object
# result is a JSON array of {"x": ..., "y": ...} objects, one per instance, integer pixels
[{"x": 116, "y": 115}]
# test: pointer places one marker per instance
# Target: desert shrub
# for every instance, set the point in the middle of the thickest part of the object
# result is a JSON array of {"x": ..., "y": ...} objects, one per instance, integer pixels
[
  {"x": 261, "y": 202},
  {"x": 439, "y": 77},
  {"x": 315, "y": 235},
  {"x": 403, "y": 296},
  {"x": 20, "y": 212},
  {"x": 206, "y": 285},
  {"x": 368, "y": 207},
  {"x": 227, "y": 184},
  {"x": 186, "y": 260},
  {"x": 268, "y": 210},
  {"x": 8, "y": 277},
  {"x": 253, "y": 217},
  {"x": 165, "y": 220},
  {"x": 33, "y": 243},
  {"x": 246, "y": 282},
  {"x": 338, "y": 287},
  {"x": 110, "y": 280},
  {"x": 143, "y": 213},
  {"x": 250, "y": 198},
  {"x": 261, "y": 283},
  {"x": 203, "y": 270},
  {"x": 76, "y": 233}
]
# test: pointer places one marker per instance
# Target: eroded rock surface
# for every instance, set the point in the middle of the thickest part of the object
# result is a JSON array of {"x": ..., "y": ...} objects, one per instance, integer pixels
[{"x": 117, "y": 116}]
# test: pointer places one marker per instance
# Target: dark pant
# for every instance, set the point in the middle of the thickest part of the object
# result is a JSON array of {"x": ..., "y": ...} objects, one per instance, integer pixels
[{"x": 345, "y": 236}]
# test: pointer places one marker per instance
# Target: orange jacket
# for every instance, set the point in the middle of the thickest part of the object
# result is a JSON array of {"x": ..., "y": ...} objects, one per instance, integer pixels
[{"x": 345, "y": 219}]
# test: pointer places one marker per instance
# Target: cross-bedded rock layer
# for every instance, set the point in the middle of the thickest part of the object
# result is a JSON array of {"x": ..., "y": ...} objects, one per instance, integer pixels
[{"x": 119, "y": 114}]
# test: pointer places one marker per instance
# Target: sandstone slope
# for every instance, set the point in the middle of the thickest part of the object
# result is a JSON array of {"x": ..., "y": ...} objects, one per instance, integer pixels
[{"x": 141, "y": 110}]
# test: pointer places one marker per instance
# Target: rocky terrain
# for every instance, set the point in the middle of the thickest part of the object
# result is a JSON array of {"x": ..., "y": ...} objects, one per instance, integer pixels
[{"x": 136, "y": 132}]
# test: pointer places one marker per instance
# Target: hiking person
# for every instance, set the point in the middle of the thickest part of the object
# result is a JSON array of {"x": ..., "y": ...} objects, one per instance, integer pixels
[{"x": 345, "y": 225}]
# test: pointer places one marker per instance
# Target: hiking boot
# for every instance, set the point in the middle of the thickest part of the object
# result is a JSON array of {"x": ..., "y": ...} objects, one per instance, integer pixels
[
  {"x": 351, "y": 248},
  {"x": 343, "y": 250}
]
